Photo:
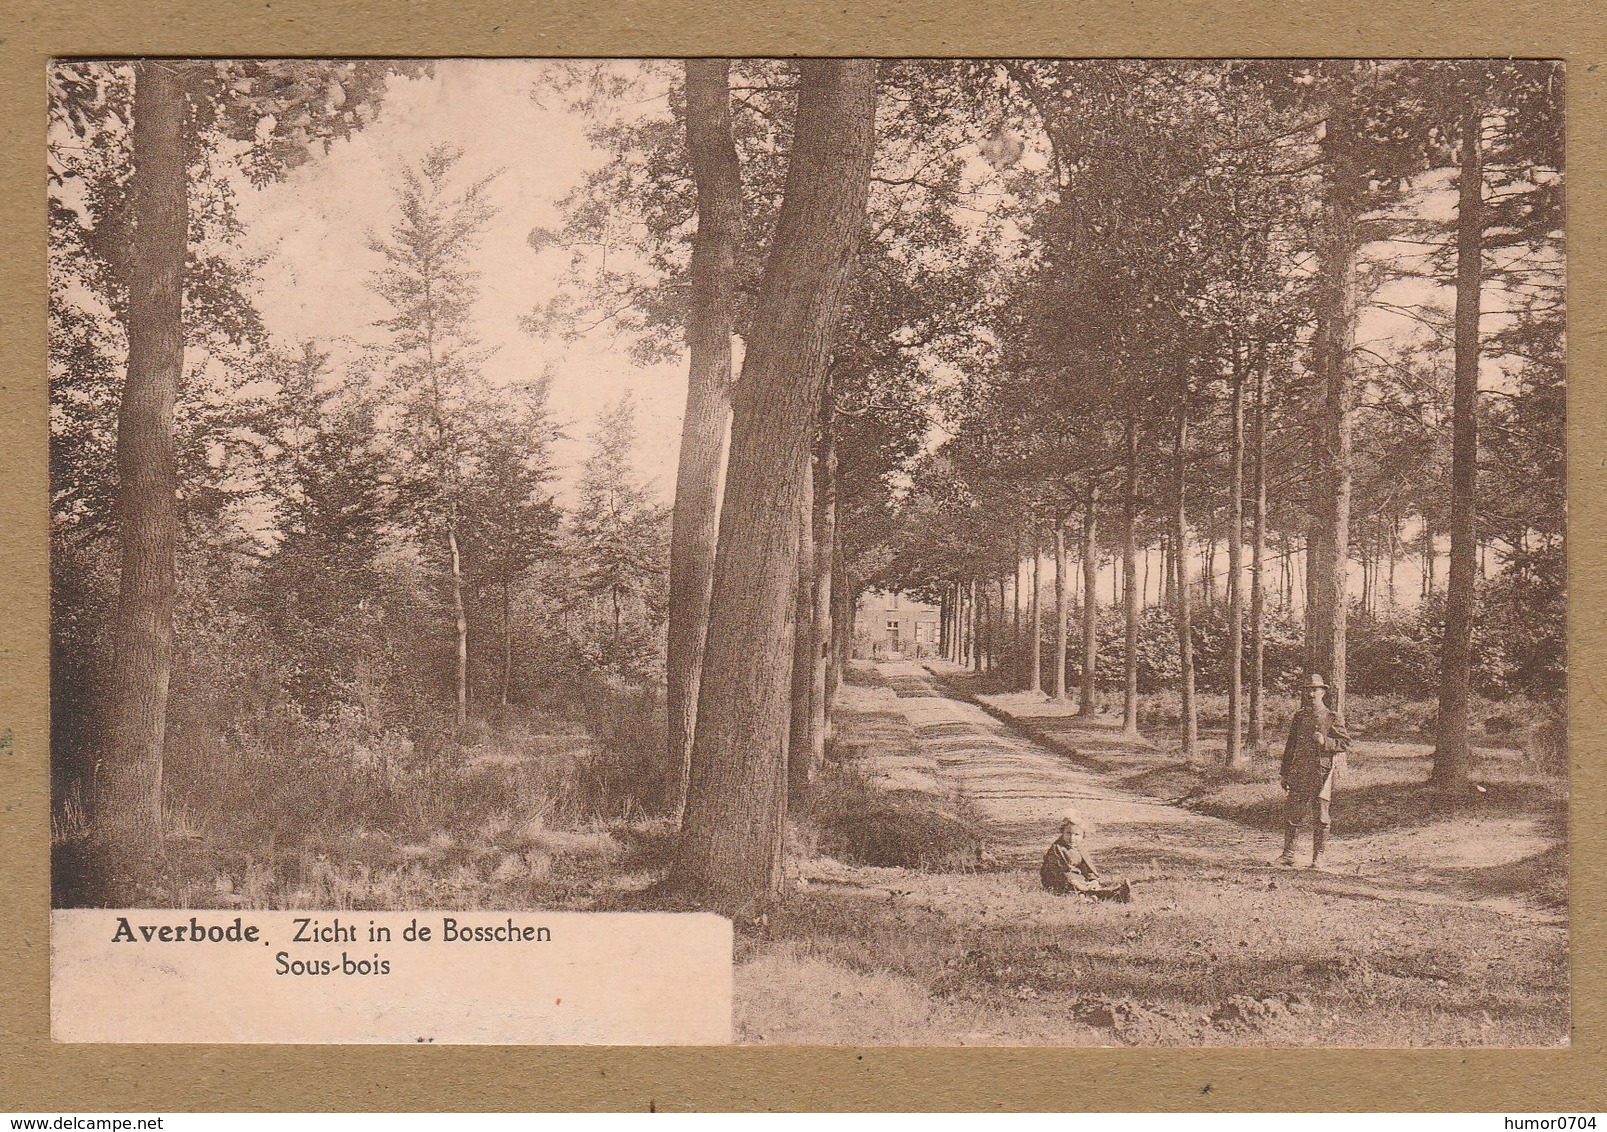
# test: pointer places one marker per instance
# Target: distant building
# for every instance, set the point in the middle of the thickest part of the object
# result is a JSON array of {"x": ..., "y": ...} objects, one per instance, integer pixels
[{"x": 888, "y": 624}]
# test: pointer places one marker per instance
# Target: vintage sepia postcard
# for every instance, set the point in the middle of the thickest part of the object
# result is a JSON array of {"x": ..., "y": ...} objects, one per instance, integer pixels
[{"x": 835, "y": 552}]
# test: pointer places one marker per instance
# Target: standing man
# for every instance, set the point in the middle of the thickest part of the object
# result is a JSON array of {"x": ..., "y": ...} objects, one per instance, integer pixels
[{"x": 1314, "y": 753}]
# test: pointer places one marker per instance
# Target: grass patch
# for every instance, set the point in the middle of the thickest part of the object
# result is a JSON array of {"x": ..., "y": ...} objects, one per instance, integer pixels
[
  {"x": 281, "y": 810},
  {"x": 1200, "y": 961},
  {"x": 859, "y": 823}
]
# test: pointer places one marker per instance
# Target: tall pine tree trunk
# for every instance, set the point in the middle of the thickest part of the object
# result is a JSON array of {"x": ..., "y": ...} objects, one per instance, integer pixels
[
  {"x": 126, "y": 817},
  {"x": 1258, "y": 564},
  {"x": 1185, "y": 623},
  {"x": 952, "y": 653},
  {"x": 1334, "y": 341},
  {"x": 961, "y": 656},
  {"x": 979, "y": 595},
  {"x": 799, "y": 746},
  {"x": 843, "y": 598},
  {"x": 1369, "y": 591},
  {"x": 1394, "y": 553},
  {"x": 730, "y": 854},
  {"x": 989, "y": 627},
  {"x": 1130, "y": 589},
  {"x": 962, "y": 624},
  {"x": 974, "y": 593},
  {"x": 1036, "y": 657},
  {"x": 1059, "y": 682},
  {"x": 825, "y": 561},
  {"x": 695, "y": 526},
  {"x": 998, "y": 626},
  {"x": 1015, "y": 630},
  {"x": 973, "y": 627},
  {"x": 1451, "y": 756},
  {"x": 1086, "y": 695},
  {"x": 1237, "y": 756}
]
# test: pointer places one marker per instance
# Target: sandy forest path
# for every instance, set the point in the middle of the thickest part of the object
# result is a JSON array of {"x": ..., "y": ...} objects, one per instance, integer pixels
[
  {"x": 1020, "y": 787},
  {"x": 1425, "y": 932}
]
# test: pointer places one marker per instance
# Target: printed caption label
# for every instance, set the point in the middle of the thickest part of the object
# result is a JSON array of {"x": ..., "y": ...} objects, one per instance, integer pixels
[{"x": 558, "y": 978}]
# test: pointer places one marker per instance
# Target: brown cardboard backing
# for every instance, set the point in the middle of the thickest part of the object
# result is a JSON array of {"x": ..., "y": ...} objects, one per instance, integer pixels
[{"x": 39, "y": 1076}]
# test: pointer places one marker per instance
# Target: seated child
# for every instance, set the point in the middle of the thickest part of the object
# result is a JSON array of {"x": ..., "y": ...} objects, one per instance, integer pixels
[{"x": 1067, "y": 869}]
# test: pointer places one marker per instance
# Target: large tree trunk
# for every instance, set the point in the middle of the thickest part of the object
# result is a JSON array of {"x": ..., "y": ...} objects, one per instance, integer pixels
[
  {"x": 998, "y": 626},
  {"x": 961, "y": 632},
  {"x": 1366, "y": 577},
  {"x": 1015, "y": 624},
  {"x": 710, "y": 313},
  {"x": 1185, "y": 623},
  {"x": 1394, "y": 553},
  {"x": 1258, "y": 561},
  {"x": 1168, "y": 571},
  {"x": 1237, "y": 757},
  {"x": 1451, "y": 756},
  {"x": 731, "y": 845},
  {"x": 979, "y": 596},
  {"x": 843, "y": 598},
  {"x": 1059, "y": 682},
  {"x": 127, "y": 796},
  {"x": 950, "y": 621},
  {"x": 1130, "y": 589},
  {"x": 803, "y": 647},
  {"x": 1036, "y": 658},
  {"x": 825, "y": 559},
  {"x": 1086, "y": 694},
  {"x": 1332, "y": 348}
]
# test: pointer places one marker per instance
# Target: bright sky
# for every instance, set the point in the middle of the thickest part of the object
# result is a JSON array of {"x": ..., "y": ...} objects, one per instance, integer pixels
[{"x": 313, "y": 226}]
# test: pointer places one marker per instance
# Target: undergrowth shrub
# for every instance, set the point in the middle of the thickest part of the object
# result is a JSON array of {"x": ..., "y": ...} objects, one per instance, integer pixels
[
  {"x": 858, "y": 823},
  {"x": 1389, "y": 653}
]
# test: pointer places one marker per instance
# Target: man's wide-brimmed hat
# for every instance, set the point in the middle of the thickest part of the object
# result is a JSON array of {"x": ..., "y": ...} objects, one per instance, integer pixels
[
  {"x": 1073, "y": 818},
  {"x": 1315, "y": 680}
]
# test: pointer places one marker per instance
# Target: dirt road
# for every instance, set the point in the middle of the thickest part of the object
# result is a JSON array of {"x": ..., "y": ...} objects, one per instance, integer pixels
[
  {"x": 1021, "y": 786},
  {"x": 1393, "y": 947}
]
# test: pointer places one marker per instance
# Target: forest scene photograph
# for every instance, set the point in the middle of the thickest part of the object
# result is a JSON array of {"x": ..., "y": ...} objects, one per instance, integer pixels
[{"x": 1058, "y": 551}]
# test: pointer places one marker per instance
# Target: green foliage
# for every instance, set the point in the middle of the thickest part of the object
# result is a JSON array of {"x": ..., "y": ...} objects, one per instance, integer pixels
[
  {"x": 509, "y": 516},
  {"x": 618, "y": 546},
  {"x": 859, "y": 823},
  {"x": 433, "y": 355}
]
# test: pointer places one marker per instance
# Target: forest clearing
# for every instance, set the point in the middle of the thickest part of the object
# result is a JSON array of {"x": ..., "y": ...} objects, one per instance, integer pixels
[{"x": 803, "y": 483}]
